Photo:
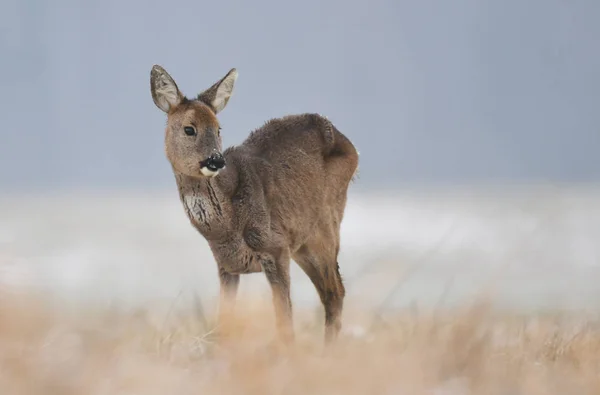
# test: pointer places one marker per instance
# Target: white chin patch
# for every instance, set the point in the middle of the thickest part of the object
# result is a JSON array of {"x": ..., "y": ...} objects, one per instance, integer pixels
[{"x": 208, "y": 173}]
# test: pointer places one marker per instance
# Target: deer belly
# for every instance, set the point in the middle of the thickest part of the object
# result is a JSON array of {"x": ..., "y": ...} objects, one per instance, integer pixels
[{"x": 235, "y": 257}]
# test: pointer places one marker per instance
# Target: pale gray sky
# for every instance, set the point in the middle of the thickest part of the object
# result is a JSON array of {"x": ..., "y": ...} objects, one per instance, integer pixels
[{"x": 429, "y": 91}]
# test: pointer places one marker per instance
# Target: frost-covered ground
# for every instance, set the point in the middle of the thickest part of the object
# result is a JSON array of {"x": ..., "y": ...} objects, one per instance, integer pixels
[{"x": 532, "y": 248}]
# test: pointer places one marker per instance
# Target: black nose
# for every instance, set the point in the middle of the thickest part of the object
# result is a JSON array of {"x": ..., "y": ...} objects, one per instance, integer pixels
[{"x": 214, "y": 162}]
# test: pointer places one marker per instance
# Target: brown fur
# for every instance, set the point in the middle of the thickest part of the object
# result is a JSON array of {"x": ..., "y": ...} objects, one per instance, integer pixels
[{"x": 281, "y": 195}]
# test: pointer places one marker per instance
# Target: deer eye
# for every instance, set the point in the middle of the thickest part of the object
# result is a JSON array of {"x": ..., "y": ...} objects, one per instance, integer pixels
[{"x": 189, "y": 130}]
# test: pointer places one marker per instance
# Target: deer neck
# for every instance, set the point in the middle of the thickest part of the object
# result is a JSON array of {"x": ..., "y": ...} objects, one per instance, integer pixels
[{"x": 207, "y": 202}]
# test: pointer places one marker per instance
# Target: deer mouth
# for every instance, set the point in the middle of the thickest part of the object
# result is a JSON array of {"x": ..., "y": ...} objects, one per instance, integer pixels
[{"x": 211, "y": 166}]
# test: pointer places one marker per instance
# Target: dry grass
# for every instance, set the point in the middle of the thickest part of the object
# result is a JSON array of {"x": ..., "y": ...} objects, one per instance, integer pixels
[{"x": 471, "y": 351}]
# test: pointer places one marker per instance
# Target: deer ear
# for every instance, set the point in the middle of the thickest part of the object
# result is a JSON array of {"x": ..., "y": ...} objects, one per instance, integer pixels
[
  {"x": 165, "y": 92},
  {"x": 218, "y": 95}
]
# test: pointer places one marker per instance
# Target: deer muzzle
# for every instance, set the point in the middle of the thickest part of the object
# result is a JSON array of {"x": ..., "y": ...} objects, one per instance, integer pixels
[{"x": 212, "y": 164}]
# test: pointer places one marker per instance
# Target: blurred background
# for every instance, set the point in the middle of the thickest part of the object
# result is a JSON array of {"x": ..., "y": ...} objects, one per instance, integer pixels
[{"x": 476, "y": 122}]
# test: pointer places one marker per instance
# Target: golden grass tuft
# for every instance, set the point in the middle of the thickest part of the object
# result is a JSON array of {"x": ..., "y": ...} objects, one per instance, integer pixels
[{"x": 474, "y": 350}]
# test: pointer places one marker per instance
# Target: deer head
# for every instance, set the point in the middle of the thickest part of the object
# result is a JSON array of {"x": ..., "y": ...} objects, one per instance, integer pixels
[{"x": 193, "y": 135}]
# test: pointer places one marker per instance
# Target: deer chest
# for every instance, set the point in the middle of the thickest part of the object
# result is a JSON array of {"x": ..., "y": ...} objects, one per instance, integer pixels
[{"x": 205, "y": 212}]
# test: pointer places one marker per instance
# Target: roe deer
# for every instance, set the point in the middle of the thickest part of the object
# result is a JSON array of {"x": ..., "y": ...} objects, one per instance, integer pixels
[{"x": 281, "y": 194}]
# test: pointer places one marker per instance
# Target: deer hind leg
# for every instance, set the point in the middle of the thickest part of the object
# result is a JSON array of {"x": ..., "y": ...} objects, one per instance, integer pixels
[{"x": 322, "y": 268}]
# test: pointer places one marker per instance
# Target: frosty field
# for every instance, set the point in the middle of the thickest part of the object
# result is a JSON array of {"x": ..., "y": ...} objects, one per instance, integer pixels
[
  {"x": 113, "y": 293},
  {"x": 537, "y": 246}
]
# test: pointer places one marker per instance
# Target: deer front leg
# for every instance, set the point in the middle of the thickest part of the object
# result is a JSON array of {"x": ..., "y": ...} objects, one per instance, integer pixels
[
  {"x": 277, "y": 271},
  {"x": 229, "y": 287}
]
